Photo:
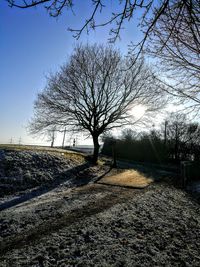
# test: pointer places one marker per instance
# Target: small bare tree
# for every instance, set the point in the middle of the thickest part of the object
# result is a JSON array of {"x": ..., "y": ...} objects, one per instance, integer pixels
[{"x": 93, "y": 92}]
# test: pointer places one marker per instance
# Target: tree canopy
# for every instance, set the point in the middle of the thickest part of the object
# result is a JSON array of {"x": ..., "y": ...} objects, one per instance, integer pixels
[{"x": 94, "y": 92}]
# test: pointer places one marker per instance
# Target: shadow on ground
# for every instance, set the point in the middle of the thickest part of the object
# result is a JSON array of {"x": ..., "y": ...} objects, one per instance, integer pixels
[{"x": 70, "y": 178}]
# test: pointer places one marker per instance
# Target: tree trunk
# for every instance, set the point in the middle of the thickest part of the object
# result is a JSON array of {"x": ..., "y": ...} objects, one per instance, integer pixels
[{"x": 96, "y": 149}]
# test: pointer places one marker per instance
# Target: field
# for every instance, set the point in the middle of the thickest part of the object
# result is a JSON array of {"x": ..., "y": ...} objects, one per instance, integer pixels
[{"x": 58, "y": 210}]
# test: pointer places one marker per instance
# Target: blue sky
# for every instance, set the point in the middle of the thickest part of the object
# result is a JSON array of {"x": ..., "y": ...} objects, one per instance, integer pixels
[{"x": 32, "y": 45}]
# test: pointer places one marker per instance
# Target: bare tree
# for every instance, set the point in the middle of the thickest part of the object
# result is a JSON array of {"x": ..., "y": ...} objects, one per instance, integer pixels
[
  {"x": 93, "y": 92},
  {"x": 182, "y": 137},
  {"x": 176, "y": 130},
  {"x": 175, "y": 40},
  {"x": 146, "y": 13}
]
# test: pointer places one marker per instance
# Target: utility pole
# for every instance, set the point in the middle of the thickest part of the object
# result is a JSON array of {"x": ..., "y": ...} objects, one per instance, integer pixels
[
  {"x": 114, "y": 142},
  {"x": 11, "y": 140},
  {"x": 165, "y": 133},
  {"x": 63, "y": 142},
  {"x": 52, "y": 137},
  {"x": 20, "y": 140}
]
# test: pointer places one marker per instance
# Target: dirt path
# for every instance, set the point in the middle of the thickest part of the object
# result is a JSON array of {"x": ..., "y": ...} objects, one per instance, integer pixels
[
  {"x": 54, "y": 210},
  {"x": 99, "y": 225}
]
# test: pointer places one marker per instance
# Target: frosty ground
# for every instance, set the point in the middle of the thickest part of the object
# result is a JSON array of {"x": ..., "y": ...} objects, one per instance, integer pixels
[{"x": 64, "y": 217}]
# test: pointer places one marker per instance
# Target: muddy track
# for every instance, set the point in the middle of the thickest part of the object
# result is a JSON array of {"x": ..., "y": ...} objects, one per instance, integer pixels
[{"x": 113, "y": 195}]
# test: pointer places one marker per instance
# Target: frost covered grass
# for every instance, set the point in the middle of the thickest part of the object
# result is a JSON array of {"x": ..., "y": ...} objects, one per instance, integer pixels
[
  {"x": 22, "y": 167},
  {"x": 98, "y": 225},
  {"x": 78, "y": 222}
]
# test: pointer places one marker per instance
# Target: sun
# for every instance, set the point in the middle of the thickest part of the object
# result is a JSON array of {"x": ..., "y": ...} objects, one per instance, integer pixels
[{"x": 138, "y": 111}]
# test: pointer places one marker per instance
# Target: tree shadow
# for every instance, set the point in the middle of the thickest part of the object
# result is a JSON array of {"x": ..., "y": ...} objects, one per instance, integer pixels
[{"x": 69, "y": 178}]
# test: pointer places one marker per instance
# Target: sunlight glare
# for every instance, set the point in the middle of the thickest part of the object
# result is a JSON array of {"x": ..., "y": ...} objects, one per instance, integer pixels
[{"x": 138, "y": 111}]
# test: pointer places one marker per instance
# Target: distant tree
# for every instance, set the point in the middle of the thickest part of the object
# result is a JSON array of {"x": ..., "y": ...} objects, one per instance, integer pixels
[
  {"x": 183, "y": 137},
  {"x": 193, "y": 143},
  {"x": 93, "y": 92},
  {"x": 177, "y": 140},
  {"x": 143, "y": 147},
  {"x": 107, "y": 138},
  {"x": 128, "y": 135},
  {"x": 106, "y": 135},
  {"x": 176, "y": 129}
]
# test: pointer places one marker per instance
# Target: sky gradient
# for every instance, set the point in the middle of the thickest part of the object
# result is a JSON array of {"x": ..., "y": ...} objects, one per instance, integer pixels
[{"x": 32, "y": 45}]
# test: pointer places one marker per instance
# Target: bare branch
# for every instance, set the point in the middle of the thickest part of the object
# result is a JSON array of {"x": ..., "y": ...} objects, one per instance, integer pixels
[{"x": 94, "y": 93}]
